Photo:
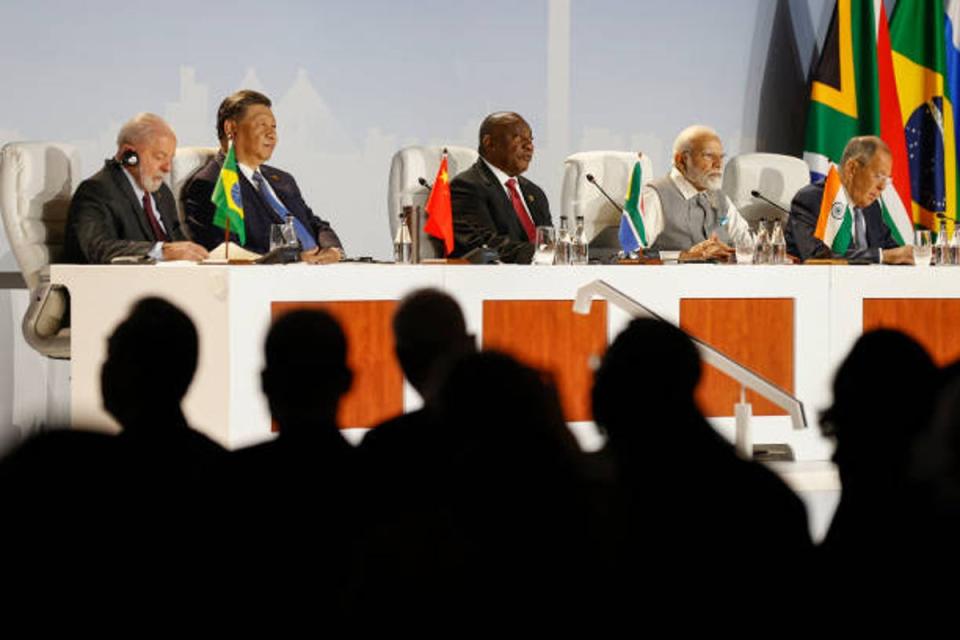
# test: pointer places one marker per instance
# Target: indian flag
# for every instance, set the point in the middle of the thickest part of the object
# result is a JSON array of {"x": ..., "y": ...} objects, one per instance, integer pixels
[
  {"x": 835, "y": 224},
  {"x": 632, "y": 233},
  {"x": 226, "y": 197}
]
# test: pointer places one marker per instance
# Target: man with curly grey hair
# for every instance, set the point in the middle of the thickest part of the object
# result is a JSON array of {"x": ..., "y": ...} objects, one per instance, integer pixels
[{"x": 125, "y": 209}]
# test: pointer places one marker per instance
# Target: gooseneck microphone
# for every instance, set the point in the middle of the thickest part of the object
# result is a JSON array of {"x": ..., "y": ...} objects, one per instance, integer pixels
[
  {"x": 594, "y": 182},
  {"x": 759, "y": 196},
  {"x": 423, "y": 183}
]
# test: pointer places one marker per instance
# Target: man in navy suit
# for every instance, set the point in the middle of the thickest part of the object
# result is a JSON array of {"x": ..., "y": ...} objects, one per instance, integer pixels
[
  {"x": 864, "y": 171},
  {"x": 268, "y": 195},
  {"x": 492, "y": 203}
]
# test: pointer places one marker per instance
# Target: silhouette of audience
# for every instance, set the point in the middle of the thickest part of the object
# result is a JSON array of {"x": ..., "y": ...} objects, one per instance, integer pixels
[
  {"x": 687, "y": 514},
  {"x": 876, "y": 418},
  {"x": 514, "y": 490},
  {"x": 298, "y": 497},
  {"x": 429, "y": 334},
  {"x": 117, "y": 496},
  {"x": 480, "y": 503}
]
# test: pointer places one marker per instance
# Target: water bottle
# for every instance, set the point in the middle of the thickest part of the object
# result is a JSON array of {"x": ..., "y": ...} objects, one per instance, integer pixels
[
  {"x": 941, "y": 250},
  {"x": 761, "y": 254},
  {"x": 290, "y": 233},
  {"x": 955, "y": 246},
  {"x": 402, "y": 242},
  {"x": 564, "y": 242},
  {"x": 579, "y": 253},
  {"x": 778, "y": 245}
]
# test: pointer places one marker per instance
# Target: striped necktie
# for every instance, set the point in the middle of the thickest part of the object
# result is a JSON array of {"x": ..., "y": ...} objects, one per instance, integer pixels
[{"x": 267, "y": 195}]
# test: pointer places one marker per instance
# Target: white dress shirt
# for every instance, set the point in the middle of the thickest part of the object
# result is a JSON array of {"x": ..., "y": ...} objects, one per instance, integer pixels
[
  {"x": 502, "y": 178},
  {"x": 156, "y": 251}
]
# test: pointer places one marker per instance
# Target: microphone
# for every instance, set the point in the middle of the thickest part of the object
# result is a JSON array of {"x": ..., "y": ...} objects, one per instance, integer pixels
[
  {"x": 759, "y": 196},
  {"x": 594, "y": 182},
  {"x": 423, "y": 183}
]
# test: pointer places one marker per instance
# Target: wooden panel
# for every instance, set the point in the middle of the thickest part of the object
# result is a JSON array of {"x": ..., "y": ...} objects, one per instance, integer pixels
[
  {"x": 933, "y": 322},
  {"x": 377, "y": 391},
  {"x": 548, "y": 335},
  {"x": 757, "y": 332}
]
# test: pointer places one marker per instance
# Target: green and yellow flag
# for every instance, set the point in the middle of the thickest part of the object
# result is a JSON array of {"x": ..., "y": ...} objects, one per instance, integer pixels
[
  {"x": 226, "y": 197},
  {"x": 920, "y": 63}
]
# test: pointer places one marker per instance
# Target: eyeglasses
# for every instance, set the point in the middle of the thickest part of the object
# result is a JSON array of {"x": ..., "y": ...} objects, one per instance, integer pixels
[{"x": 713, "y": 158}]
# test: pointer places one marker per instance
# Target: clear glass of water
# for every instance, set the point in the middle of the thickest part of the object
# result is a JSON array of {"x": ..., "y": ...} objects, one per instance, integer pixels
[
  {"x": 922, "y": 248},
  {"x": 746, "y": 248},
  {"x": 546, "y": 247},
  {"x": 277, "y": 238}
]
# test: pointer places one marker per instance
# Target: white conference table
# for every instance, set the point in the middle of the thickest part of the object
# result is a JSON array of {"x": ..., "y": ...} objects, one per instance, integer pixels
[{"x": 231, "y": 306}]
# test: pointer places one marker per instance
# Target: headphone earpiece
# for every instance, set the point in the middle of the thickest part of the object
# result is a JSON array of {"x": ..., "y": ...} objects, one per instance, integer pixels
[{"x": 129, "y": 158}]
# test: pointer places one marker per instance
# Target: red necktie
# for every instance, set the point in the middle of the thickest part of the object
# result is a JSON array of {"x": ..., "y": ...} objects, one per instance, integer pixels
[
  {"x": 152, "y": 219},
  {"x": 525, "y": 220}
]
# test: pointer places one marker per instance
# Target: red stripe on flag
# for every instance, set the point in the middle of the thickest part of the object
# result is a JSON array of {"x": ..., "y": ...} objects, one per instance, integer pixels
[{"x": 891, "y": 121}]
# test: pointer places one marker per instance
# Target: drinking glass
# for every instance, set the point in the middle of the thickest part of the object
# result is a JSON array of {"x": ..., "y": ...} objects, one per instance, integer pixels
[
  {"x": 922, "y": 248},
  {"x": 546, "y": 248}
]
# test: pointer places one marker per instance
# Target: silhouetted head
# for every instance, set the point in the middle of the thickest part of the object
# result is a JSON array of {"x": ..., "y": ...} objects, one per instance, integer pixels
[
  {"x": 151, "y": 359},
  {"x": 306, "y": 369},
  {"x": 883, "y": 396},
  {"x": 492, "y": 403},
  {"x": 429, "y": 330},
  {"x": 647, "y": 377}
]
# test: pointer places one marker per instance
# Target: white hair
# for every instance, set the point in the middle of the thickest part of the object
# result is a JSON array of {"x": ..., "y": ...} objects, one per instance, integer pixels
[
  {"x": 684, "y": 141},
  {"x": 143, "y": 127}
]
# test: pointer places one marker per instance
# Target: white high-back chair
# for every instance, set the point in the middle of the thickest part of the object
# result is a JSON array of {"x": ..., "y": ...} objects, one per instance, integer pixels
[
  {"x": 612, "y": 171},
  {"x": 407, "y": 167},
  {"x": 775, "y": 176},
  {"x": 186, "y": 162},
  {"x": 37, "y": 180}
]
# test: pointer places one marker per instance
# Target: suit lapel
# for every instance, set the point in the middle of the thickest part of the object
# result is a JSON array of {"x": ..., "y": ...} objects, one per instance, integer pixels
[
  {"x": 262, "y": 207},
  {"x": 499, "y": 197},
  {"x": 167, "y": 207},
  {"x": 136, "y": 207},
  {"x": 533, "y": 203}
]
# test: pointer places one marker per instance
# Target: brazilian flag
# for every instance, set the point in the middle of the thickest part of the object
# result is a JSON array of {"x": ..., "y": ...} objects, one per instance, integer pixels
[
  {"x": 226, "y": 197},
  {"x": 917, "y": 36}
]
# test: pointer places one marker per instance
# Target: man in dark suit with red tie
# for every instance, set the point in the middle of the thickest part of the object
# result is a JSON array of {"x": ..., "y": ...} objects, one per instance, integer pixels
[
  {"x": 492, "y": 203},
  {"x": 268, "y": 195},
  {"x": 125, "y": 209}
]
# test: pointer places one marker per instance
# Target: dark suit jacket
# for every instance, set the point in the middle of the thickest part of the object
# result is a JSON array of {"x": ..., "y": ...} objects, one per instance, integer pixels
[
  {"x": 484, "y": 215},
  {"x": 107, "y": 220},
  {"x": 258, "y": 215},
  {"x": 804, "y": 211}
]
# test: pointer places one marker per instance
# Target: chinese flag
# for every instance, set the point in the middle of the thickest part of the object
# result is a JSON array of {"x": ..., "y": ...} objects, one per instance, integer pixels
[{"x": 439, "y": 213}]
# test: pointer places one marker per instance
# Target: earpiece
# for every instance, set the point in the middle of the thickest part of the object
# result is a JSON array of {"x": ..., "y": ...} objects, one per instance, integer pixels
[{"x": 129, "y": 158}]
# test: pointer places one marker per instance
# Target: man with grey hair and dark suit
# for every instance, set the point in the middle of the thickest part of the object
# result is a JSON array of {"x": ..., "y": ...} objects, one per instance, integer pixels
[
  {"x": 685, "y": 210},
  {"x": 864, "y": 171},
  {"x": 125, "y": 209}
]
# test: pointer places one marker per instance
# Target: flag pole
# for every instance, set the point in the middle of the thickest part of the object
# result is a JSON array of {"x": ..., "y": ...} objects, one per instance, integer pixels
[
  {"x": 226, "y": 227},
  {"x": 226, "y": 240}
]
